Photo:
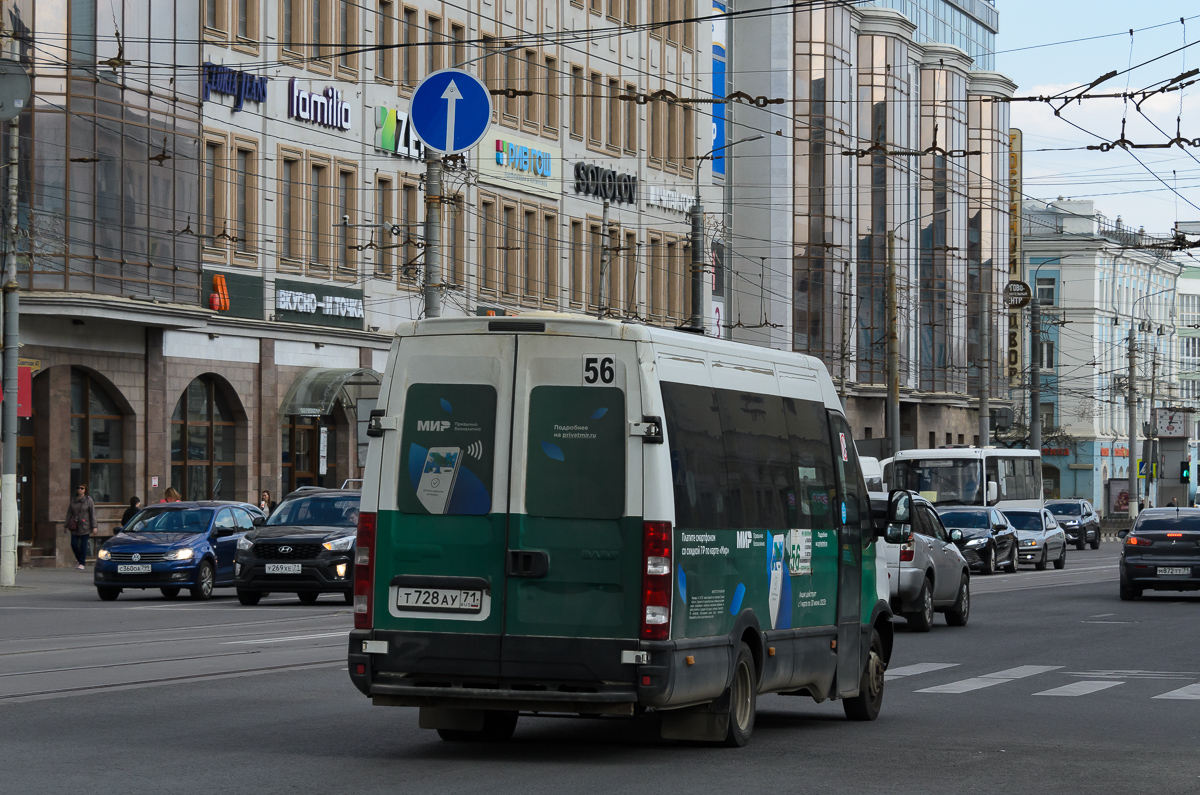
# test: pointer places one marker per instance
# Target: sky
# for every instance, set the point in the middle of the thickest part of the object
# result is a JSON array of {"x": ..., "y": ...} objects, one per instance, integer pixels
[{"x": 1032, "y": 50}]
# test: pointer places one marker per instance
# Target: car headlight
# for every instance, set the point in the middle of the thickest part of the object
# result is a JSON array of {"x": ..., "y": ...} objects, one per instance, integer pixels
[
  {"x": 180, "y": 554},
  {"x": 245, "y": 543},
  {"x": 1029, "y": 542},
  {"x": 340, "y": 543},
  {"x": 104, "y": 554},
  {"x": 977, "y": 542}
]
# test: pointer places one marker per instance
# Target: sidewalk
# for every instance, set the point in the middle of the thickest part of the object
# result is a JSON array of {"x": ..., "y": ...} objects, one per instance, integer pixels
[{"x": 46, "y": 580}]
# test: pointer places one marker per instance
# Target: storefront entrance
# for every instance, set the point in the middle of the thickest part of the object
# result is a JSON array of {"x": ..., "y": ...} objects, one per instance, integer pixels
[{"x": 308, "y": 447}]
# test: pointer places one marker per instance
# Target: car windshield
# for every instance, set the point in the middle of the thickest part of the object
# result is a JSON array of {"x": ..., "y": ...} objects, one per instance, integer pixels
[
  {"x": 171, "y": 520},
  {"x": 1024, "y": 520},
  {"x": 942, "y": 481},
  {"x": 339, "y": 510},
  {"x": 1170, "y": 524},
  {"x": 1064, "y": 509},
  {"x": 971, "y": 520}
]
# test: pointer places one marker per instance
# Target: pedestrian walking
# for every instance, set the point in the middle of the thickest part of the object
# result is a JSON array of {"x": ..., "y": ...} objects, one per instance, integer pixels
[
  {"x": 81, "y": 523},
  {"x": 171, "y": 495},
  {"x": 135, "y": 505},
  {"x": 265, "y": 502}
]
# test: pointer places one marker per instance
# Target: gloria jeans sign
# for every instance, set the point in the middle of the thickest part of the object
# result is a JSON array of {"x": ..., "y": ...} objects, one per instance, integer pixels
[
  {"x": 326, "y": 109},
  {"x": 239, "y": 85},
  {"x": 320, "y": 304},
  {"x": 605, "y": 183}
]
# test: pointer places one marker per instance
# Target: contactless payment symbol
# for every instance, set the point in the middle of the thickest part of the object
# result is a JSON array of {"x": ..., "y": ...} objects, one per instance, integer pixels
[{"x": 451, "y": 111}]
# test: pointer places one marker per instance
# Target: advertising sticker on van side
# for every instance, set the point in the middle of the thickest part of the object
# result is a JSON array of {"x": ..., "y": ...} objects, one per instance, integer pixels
[{"x": 449, "y": 444}]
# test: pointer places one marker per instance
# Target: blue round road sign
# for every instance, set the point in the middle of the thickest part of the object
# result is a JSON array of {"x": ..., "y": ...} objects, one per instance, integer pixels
[{"x": 451, "y": 111}]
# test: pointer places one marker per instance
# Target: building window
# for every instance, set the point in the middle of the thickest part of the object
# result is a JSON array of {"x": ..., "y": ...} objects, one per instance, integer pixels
[
  {"x": 512, "y": 80},
  {"x": 96, "y": 440},
  {"x": 433, "y": 50},
  {"x": 1046, "y": 415},
  {"x": 410, "y": 220},
  {"x": 529, "y": 102},
  {"x": 550, "y": 87},
  {"x": 383, "y": 215},
  {"x": 487, "y": 243},
  {"x": 290, "y": 24},
  {"x": 614, "y": 115},
  {"x": 245, "y": 19},
  {"x": 550, "y": 259},
  {"x": 245, "y": 203},
  {"x": 203, "y": 443},
  {"x": 630, "y": 298},
  {"x": 290, "y": 212},
  {"x": 688, "y": 150},
  {"x": 578, "y": 88},
  {"x": 452, "y": 269},
  {"x": 575, "y": 274},
  {"x": 386, "y": 38},
  {"x": 1047, "y": 361},
  {"x": 315, "y": 27},
  {"x": 657, "y": 112},
  {"x": 347, "y": 34},
  {"x": 595, "y": 260},
  {"x": 212, "y": 190},
  {"x": 347, "y": 259},
  {"x": 595, "y": 109},
  {"x": 1045, "y": 291},
  {"x": 508, "y": 250},
  {"x": 408, "y": 53},
  {"x": 631, "y": 121},
  {"x": 655, "y": 279},
  {"x": 318, "y": 216},
  {"x": 459, "y": 35},
  {"x": 529, "y": 263}
]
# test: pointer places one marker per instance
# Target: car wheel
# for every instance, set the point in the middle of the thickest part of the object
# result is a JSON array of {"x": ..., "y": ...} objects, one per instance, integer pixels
[
  {"x": 868, "y": 702},
  {"x": 957, "y": 616},
  {"x": 348, "y": 597},
  {"x": 498, "y": 727},
  {"x": 1011, "y": 568},
  {"x": 922, "y": 620},
  {"x": 308, "y": 597},
  {"x": 170, "y": 592},
  {"x": 249, "y": 598},
  {"x": 204, "y": 582},
  {"x": 1041, "y": 564},
  {"x": 1129, "y": 593},
  {"x": 108, "y": 593},
  {"x": 743, "y": 699},
  {"x": 1061, "y": 561},
  {"x": 1082, "y": 542},
  {"x": 989, "y": 565},
  {"x": 1096, "y": 542}
]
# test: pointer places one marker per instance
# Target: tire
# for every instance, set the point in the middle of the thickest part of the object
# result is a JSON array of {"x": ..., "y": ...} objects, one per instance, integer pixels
[
  {"x": 1129, "y": 593},
  {"x": 108, "y": 593},
  {"x": 1082, "y": 542},
  {"x": 1096, "y": 544},
  {"x": 308, "y": 597},
  {"x": 922, "y": 621},
  {"x": 868, "y": 702},
  {"x": 989, "y": 567},
  {"x": 1011, "y": 568},
  {"x": 204, "y": 582},
  {"x": 957, "y": 616},
  {"x": 348, "y": 597},
  {"x": 743, "y": 699},
  {"x": 169, "y": 592},
  {"x": 1061, "y": 561},
  {"x": 498, "y": 727},
  {"x": 249, "y": 598},
  {"x": 1041, "y": 564}
]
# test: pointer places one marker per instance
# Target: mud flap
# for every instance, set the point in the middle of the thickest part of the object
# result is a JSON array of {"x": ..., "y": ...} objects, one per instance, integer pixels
[{"x": 703, "y": 723}]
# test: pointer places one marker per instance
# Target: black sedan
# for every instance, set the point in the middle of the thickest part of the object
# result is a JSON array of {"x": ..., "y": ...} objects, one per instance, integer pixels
[
  {"x": 983, "y": 535},
  {"x": 1161, "y": 552},
  {"x": 305, "y": 548},
  {"x": 1078, "y": 520}
]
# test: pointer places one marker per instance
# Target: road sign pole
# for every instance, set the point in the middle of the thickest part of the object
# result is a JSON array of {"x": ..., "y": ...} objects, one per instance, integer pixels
[{"x": 433, "y": 226}]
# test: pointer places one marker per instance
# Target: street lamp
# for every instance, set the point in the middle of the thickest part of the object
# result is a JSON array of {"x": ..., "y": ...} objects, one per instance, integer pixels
[
  {"x": 697, "y": 320},
  {"x": 1131, "y": 405},
  {"x": 892, "y": 419}
]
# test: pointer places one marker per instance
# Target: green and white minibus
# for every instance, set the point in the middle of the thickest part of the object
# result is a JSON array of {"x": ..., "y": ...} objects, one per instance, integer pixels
[{"x": 569, "y": 515}]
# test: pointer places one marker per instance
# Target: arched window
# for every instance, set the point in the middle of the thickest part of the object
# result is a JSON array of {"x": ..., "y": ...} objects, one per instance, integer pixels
[
  {"x": 202, "y": 443},
  {"x": 95, "y": 440}
]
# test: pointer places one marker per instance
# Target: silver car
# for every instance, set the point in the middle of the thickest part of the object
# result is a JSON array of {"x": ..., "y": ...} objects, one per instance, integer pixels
[
  {"x": 1040, "y": 539},
  {"x": 926, "y": 571}
]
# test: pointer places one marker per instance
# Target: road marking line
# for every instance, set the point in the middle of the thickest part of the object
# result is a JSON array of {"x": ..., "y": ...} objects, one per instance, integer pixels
[
  {"x": 917, "y": 668},
  {"x": 987, "y": 680},
  {"x": 1105, "y": 622},
  {"x": 1189, "y": 693},
  {"x": 1103, "y": 615},
  {"x": 284, "y": 640},
  {"x": 1079, "y": 688}
]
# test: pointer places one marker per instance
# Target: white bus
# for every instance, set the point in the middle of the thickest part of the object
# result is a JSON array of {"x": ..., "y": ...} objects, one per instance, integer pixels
[{"x": 970, "y": 476}]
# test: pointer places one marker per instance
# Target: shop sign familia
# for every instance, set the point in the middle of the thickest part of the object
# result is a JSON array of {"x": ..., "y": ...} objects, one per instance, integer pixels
[{"x": 326, "y": 109}]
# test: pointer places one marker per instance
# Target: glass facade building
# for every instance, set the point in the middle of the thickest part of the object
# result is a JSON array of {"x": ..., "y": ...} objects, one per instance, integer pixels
[{"x": 970, "y": 25}]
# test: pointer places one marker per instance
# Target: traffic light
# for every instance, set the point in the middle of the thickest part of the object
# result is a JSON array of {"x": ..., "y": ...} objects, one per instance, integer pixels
[{"x": 1185, "y": 471}]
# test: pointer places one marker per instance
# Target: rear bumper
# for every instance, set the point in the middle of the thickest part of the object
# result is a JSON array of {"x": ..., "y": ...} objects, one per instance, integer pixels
[{"x": 1142, "y": 572}]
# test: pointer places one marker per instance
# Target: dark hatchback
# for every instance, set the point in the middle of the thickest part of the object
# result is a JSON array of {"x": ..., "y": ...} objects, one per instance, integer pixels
[
  {"x": 1161, "y": 552},
  {"x": 175, "y": 545},
  {"x": 305, "y": 548},
  {"x": 984, "y": 536},
  {"x": 1078, "y": 520}
]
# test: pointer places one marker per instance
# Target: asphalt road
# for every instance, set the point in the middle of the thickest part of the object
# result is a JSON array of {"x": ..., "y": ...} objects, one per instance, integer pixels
[{"x": 1054, "y": 686}]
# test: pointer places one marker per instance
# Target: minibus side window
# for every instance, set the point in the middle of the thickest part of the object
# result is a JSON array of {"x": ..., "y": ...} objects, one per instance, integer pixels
[
  {"x": 756, "y": 459},
  {"x": 575, "y": 461},
  {"x": 812, "y": 457},
  {"x": 698, "y": 475},
  {"x": 855, "y": 503}
]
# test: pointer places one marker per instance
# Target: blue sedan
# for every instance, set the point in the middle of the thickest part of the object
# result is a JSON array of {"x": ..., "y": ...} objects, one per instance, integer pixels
[{"x": 175, "y": 545}]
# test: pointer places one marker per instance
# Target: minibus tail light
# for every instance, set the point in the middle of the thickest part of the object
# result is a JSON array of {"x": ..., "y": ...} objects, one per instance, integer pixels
[
  {"x": 364, "y": 572},
  {"x": 656, "y": 581}
]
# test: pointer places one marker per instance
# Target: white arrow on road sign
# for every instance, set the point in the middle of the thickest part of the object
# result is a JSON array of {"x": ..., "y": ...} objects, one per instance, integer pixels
[{"x": 451, "y": 95}]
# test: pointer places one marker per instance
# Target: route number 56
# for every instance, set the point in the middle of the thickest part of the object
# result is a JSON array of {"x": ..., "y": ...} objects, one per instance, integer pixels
[{"x": 598, "y": 370}]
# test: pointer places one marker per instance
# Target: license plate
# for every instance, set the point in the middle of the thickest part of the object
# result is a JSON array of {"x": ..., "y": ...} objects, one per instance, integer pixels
[
  {"x": 1173, "y": 571},
  {"x": 283, "y": 568},
  {"x": 134, "y": 568},
  {"x": 439, "y": 600}
]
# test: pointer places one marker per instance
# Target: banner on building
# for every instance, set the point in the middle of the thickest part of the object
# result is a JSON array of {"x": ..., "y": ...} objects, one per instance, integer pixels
[
  {"x": 319, "y": 304},
  {"x": 719, "y": 34},
  {"x": 1013, "y": 359}
]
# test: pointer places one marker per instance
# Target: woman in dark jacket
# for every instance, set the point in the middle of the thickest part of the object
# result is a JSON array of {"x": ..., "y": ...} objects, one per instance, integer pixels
[
  {"x": 81, "y": 523},
  {"x": 135, "y": 505}
]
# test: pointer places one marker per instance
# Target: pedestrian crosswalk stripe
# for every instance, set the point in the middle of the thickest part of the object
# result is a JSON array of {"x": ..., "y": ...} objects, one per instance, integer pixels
[
  {"x": 917, "y": 668},
  {"x": 1189, "y": 693},
  {"x": 988, "y": 680},
  {"x": 1079, "y": 688}
]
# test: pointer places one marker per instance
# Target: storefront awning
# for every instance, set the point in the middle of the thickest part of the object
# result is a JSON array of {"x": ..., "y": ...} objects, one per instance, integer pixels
[{"x": 315, "y": 391}]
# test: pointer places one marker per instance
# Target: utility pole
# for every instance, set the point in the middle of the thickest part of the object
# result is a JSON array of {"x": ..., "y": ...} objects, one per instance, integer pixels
[
  {"x": 893, "y": 350},
  {"x": 605, "y": 253},
  {"x": 433, "y": 233},
  {"x": 1152, "y": 434},
  {"x": 985, "y": 371},
  {"x": 12, "y": 347},
  {"x": 697, "y": 320},
  {"x": 1131, "y": 400},
  {"x": 1035, "y": 376},
  {"x": 845, "y": 330}
]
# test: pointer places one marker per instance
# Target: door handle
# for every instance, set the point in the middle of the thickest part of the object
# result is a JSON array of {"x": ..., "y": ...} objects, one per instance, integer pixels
[{"x": 528, "y": 563}]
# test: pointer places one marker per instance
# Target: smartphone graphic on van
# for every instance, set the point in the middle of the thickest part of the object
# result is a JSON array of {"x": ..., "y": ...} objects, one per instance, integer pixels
[{"x": 437, "y": 478}]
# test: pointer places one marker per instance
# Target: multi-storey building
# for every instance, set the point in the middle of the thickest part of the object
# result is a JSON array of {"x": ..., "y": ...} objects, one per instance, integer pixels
[
  {"x": 889, "y": 124},
  {"x": 223, "y": 203},
  {"x": 1099, "y": 284}
]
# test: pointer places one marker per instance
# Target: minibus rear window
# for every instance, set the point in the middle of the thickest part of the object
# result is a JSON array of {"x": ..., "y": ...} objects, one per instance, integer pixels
[{"x": 575, "y": 461}]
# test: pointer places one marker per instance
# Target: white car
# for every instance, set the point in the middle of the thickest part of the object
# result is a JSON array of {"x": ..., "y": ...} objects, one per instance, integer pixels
[{"x": 1040, "y": 539}]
